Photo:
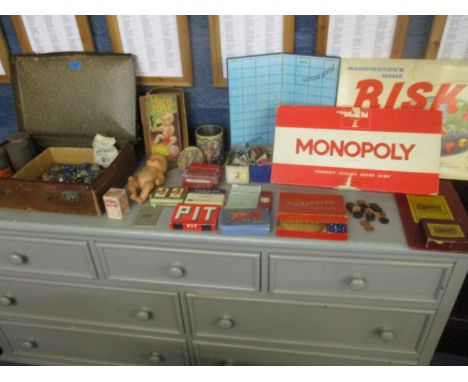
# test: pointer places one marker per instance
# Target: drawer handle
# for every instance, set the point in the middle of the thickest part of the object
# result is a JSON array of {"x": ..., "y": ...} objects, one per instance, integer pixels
[
  {"x": 144, "y": 315},
  {"x": 7, "y": 301},
  {"x": 357, "y": 284},
  {"x": 387, "y": 335},
  {"x": 29, "y": 344},
  {"x": 176, "y": 271},
  {"x": 18, "y": 258},
  {"x": 226, "y": 322},
  {"x": 156, "y": 357}
]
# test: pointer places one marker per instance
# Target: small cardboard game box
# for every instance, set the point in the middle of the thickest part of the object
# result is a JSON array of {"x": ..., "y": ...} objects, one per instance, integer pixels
[
  {"x": 245, "y": 222},
  {"x": 313, "y": 216},
  {"x": 358, "y": 149},
  {"x": 195, "y": 217},
  {"x": 63, "y": 100},
  {"x": 168, "y": 196}
]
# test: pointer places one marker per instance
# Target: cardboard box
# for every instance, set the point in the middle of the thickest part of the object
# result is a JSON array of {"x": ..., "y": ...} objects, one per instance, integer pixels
[
  {"x": 358, "y": 149},
  {"x": 236, "y": 174},
  {"x": 314, "y": 216},
  {"x": 253, "y": 172},
  {"x": 168, "y": 196},
  {"x": 116, "y": 203},
  {"x": 195, "y": 217},
  {"x": 245, "y": 222},
  {"x": 63, "y": 100}
]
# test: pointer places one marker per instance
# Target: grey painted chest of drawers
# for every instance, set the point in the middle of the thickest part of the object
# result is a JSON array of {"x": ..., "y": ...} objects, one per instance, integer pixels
[{"x": 90, "y": 291}]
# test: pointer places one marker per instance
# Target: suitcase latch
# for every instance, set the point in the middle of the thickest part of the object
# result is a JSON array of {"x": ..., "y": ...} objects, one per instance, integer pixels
[{"x": 71, "y": 196}]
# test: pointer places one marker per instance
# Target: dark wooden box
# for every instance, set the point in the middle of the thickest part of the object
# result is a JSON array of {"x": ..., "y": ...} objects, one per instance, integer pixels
[{"x": 63, "y": 100}]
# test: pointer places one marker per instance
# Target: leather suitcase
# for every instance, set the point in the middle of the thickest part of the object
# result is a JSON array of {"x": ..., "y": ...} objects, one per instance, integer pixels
[{"x": 63, "y": 100}]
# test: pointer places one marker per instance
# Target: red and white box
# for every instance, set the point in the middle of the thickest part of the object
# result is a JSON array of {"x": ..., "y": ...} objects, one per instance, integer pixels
[
  {"x": 195, "y": 217},
  {"x": 116, "y": 203},
  {"x": 358, "y": 149}
]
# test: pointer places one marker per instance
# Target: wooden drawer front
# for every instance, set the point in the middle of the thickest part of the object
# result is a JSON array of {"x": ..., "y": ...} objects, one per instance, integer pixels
[
  {"x": 240, "y": 271},
  {"x": 339, "y": 326},
  {"x": 102, "y": 306},
  {"x": 37, "y": 341},
  {"x": 212, "y": 354},
  {"x": 36, "y": 256},
  {"x": 399, "y": 280}
]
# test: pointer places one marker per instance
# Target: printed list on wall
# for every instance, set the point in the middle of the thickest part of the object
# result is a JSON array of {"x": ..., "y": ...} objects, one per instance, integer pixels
[
  {"x": 250, "y": 35},
  {"x": 2, "y": 70},
  {"x": 454, "y": 43},
  {"x": 155, "y": 42},
  {"x": 361, "y": 36},
  {"x": 53, "y": 33}
]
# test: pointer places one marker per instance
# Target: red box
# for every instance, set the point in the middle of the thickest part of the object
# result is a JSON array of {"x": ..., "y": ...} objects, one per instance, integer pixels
[
  {"x": 316, "y": 216},
  {"x": 358, "y": 149},
  {"x": 202, "y": 176},
  {"x": 195, "y": 217}
]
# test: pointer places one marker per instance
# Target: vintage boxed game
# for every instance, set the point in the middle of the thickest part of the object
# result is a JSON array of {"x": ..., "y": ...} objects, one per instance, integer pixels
[
  {"x": 358, "y": 149},
  {"x": 415, "y": 84},
  {"x": 215, "y": 197},
  {"x": 434, "y": 222},
  {"x": 315, "y": 216},
  {"x": 164, "y": 121},
  {"x": 63, "y": 100},
  {"x": 195, "y": 217},
  {"x": 245, "y": 222},
  {"x": 202, "y": 176},
  {"x": 168, "y": 196},
  {"x": 443, "y": 232}
]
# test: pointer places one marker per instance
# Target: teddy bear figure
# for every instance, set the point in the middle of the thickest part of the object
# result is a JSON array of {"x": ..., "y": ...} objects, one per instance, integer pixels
[{"x": 150, "y": 176}]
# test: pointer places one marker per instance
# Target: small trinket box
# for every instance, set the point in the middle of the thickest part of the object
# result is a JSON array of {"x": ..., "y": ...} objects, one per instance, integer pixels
[
  {"x": 116, "y": 203},
  {"x": 237, "y": 167},
  {"x": 245, "y": 165},
  {"x": 260, "y": 164},
  {"x": 202, "y": 175}
]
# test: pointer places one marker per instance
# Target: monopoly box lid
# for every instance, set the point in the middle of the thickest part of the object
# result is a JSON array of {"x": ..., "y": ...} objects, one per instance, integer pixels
[{"x": 358, "y": 149}]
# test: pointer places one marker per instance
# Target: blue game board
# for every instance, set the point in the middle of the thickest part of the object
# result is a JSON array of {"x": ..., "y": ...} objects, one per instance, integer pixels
[{"x": 258, "y": 84}]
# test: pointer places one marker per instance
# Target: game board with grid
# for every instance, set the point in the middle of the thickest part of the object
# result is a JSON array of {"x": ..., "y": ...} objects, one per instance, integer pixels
[{"x": 258, "y": 84}]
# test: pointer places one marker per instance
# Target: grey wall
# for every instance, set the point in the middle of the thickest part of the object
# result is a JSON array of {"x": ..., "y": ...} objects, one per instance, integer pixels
[{"x": 205, "y": 104}]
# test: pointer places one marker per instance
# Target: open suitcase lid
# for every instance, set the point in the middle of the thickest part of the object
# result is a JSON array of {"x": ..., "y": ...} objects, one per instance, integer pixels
[{"x": 65, "y": 99}]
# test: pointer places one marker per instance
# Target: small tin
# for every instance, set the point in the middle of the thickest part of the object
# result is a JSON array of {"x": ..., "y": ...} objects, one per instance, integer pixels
[{"x": 210, "y": 140}]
